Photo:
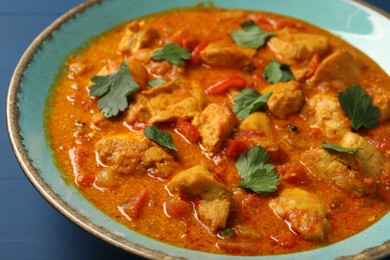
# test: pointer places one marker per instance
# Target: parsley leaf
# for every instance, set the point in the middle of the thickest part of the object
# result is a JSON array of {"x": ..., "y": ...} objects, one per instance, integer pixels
[
  {"x": 249, "y": 101},
  {"x": 161, "y": 137},
  {"x": 251, "y": 35},
  {"x": 113, "y": 90},
  {"x": 358, "y": 107},
  {"x": 229, "y": 232},
  {"x": 255, "y": 174},
  {"x": 339, "y": 148},
  {"x": 173, "y": 53},
  {"x": 157, "y": 82},
  {"x": 277, "y": 72}
]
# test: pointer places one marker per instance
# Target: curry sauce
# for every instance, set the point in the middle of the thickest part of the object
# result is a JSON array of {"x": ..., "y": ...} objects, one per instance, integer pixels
[{"x": 248, "y": 99}]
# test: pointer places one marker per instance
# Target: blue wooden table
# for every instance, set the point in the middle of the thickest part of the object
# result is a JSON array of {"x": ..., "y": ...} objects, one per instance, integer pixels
[{"x": 29, "y": 227}]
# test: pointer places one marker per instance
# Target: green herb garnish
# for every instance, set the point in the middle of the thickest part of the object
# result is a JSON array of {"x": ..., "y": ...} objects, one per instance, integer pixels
[
  {"x": 277, "y": 72},
  {"x": 173, "y": 53},
  {"x": 229, "y": 232},
  {"x": 339, "y": 148},
  {"x": 251, "y": 35},
  {"x": 157, "y": 82},
  {"x": 249, "y": 101},
  {"x": 358, "y": 107},
  {"x": 161, "y": 137},
  {"x": 255, "y": 174},
  {"x": 113, "y": 90}
]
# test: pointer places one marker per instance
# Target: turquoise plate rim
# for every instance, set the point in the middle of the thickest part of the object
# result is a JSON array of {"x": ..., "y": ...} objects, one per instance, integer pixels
[{"x": 26, "y": 140}]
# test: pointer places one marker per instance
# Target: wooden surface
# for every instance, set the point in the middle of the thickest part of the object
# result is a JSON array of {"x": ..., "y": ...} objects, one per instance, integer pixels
[{"x": 29, "y": 227}]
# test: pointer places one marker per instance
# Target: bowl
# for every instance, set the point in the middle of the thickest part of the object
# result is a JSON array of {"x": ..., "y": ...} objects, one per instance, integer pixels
[{"x": 359, "y": 24}]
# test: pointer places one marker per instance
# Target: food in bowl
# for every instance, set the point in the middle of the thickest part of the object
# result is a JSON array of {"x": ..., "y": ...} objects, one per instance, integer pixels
[{"x": 226, "y": 131}]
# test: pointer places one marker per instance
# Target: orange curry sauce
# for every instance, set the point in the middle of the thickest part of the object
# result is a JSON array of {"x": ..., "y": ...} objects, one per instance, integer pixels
[{"x": 141, "y": 199}]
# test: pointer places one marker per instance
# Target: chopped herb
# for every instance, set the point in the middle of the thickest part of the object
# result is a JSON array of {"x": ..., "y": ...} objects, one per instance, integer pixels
[
  {"x": 249, "y": 101},
  {"x": 229, "y": 232},
  {"x": 251, "y": 35},
  {"x": 339, "y": 148},
  {"x": 113, "y": 90},
  {"x": 157, "y": 82},
  {"x": 358, "y": 107},
  {"x": 161, "y": 137},
  {"x": 277, "y": 72},
  {"x": 173, "y": 53},
  {"x": 255, "y": 174}
]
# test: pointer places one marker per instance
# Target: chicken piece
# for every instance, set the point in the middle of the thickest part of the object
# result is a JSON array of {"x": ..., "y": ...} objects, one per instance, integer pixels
[
  {"x": 215, "y": 124},
  {"x": 215, "y": 199},
  {"x": 107, "y": 69},
  {"x": 298, "y": 46},
  {"x": 225, "y": 53},
  {"x": 259, "y": 128},
  {"x": 324, "y": 112},
  {"x": 337, "y": 171},
  {"x": 136, "y": 36},
  {"x": 337, "y": 66},
  {"x": 257, "y": 121},
  {"x": 368, "y": 160},
  {"x": 127, "y": 154},
  {"x": 305, "y": 212},
  {"x": 286, "y": 98},
  {"x": 381, "y": 99},
  {"x": 172, "y": 101}
]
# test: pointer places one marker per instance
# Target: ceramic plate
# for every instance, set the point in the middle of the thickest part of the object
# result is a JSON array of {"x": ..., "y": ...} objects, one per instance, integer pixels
[{"x": 367, "y": 29}]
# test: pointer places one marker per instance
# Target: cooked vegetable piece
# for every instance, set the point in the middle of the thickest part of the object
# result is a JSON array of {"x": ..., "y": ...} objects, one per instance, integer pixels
[
  {"x": 313, "y": 65},
  {"x": 161, "y": 137},
  {"x": 132, "y": 209},
  {"x": 249, "y": 101},
  {"x": 173, "y": 53},
  {"x": 195, "y": 55},
  {"x": 113, "y": 90},
  {"x": 223, "y": 85},
  {"x": 188, "y": 130},
  {"x": 237, "y": 147},
  {"x": 277, "y": 72},
  {"x": 255, "y": 174},
  {"x": 358, "y": 107},
  {"x": 251, "y": 35}
]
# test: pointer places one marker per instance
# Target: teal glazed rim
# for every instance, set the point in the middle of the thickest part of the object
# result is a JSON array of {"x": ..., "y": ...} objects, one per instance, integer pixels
[{"x": 36, "y": 71}]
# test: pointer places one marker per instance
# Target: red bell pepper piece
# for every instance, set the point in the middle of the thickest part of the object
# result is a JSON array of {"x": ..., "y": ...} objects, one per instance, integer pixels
[
  {"x": 236, "y": 147},
  {"x": 222, "y": 86},
  {"x": 195, "y": 58},
  {"x": 188, "y": 131}
]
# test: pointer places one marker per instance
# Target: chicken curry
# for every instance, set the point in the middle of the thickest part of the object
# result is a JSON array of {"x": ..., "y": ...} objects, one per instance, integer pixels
[{"x": 226, "y": 131}]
